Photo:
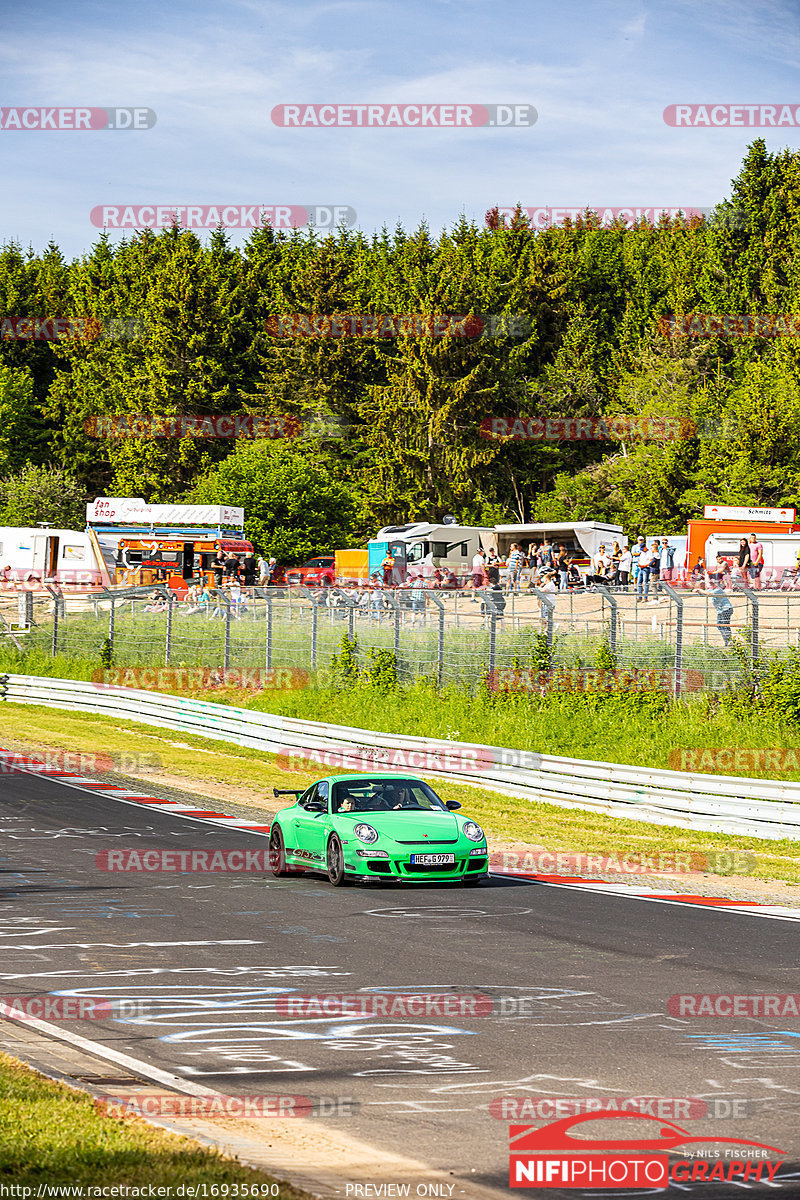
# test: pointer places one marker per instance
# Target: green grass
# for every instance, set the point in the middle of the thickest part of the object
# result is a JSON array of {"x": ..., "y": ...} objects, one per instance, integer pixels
[{"x": 50, "y": 1134}]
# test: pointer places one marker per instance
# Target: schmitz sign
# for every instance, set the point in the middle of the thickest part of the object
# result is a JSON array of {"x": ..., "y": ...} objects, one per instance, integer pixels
[{"x": 722, "y": 512}]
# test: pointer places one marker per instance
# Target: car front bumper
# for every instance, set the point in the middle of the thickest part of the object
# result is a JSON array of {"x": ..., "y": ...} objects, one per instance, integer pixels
[{"x": 465, "y": 866}]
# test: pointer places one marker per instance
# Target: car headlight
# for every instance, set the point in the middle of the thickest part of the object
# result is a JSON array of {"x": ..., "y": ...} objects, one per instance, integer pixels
[
  {"x": 366, "y": 833},
  {"x": 472, "y": 831}
]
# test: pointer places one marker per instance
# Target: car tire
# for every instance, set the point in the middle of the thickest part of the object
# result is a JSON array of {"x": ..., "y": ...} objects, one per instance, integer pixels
[
  {"x": 277, "y": 852},
  {"x": 334, "y": 862}
]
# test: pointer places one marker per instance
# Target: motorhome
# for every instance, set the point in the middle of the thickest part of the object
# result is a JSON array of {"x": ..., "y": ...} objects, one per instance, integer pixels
[
  {"x": 451, "y": 547},
  {"x": 444, "y": 545}
]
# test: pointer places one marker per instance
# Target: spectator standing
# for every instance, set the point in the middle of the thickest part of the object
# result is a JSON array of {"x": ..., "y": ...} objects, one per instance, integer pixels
[
  {"x": 636, "y": 553},
  {"x": 249, "y": 568},
  {"x": 756, "y": 560},
  {"x": 562, "y": 565},
  {"x": 666, "y": 560},
  {"x": 743, "y": 558},
  {"x": 218, "y": 567},
  {"x": 724, "y": 612},
  {"x": 648, "y": 563},
  {"x": 273, "y": 567},
  {"x": 387, "y": 567},
  {"x": 232, "y": 567},
  {"x": 616, "y": 555},
  {"x": 262, "y": 567},
  {"x": 546, "y": 555},
  {"x": 477, "y": 570},
  {"x": 624, "y": 568},
  {"x": 514, "y": 565}
]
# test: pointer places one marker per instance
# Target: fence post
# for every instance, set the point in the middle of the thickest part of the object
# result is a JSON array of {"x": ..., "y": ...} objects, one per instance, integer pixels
[
  {"x": 56, "y": 614},
  {"x": 440, "y": 639},
  {"x": 168, "y": 640},
  {"x": 739, "y": 585},
  {"x": 111, "y": 627},
  {"x": 269, "y": 633},
  {"x": 677, "y": 600},
  {"x": 548, "y": 609},
  {"x": 612, "y": 603},
  {"x": 314, "y": 622}
]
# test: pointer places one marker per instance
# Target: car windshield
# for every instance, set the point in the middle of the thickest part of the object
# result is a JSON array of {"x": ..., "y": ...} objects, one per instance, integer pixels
[{"x": 385, "y": 795}]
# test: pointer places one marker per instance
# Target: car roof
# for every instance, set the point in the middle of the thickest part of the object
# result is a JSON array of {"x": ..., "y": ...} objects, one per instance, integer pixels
[{"x": 369, "y": 775}]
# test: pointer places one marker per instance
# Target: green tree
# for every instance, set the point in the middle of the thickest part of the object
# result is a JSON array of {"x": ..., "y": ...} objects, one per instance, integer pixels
[
  {"x": 293, "y": 509},
  {"x": 42, "y": 493}
]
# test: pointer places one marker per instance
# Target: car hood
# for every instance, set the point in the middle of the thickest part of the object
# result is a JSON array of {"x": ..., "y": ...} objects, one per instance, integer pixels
[{"x": 410, "y": 827}]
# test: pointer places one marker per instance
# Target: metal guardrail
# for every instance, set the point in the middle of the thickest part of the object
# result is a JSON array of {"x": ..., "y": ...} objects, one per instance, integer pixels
[{"x": 721, "y": 804}]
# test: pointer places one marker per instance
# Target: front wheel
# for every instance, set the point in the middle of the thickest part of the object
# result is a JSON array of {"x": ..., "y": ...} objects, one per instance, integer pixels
[
  {"x": 277, "y": 852},
  {"x": 335, "y": 862}
]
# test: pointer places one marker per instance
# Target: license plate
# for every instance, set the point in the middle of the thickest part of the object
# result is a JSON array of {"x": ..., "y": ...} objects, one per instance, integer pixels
[{"x": 433, "y": 860}]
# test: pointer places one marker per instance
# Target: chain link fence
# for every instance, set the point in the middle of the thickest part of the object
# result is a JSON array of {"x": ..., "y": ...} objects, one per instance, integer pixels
[{"x": 695, "y": 640}]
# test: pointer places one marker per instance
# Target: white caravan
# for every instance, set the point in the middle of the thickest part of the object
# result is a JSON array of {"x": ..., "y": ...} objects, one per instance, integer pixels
[{"x": 38, "y": 556}]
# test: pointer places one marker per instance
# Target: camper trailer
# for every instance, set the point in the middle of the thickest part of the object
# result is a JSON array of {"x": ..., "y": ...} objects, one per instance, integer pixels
[{"x": 35, "y": 557}]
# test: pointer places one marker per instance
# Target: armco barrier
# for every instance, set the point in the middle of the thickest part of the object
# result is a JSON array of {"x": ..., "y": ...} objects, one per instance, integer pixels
[{"x": 723, "y": 804}]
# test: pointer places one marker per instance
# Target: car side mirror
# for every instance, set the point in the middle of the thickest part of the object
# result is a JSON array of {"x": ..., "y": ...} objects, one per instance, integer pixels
[
  {"x": 317, "y": 806},
  {"x": 452, "y": 805}
]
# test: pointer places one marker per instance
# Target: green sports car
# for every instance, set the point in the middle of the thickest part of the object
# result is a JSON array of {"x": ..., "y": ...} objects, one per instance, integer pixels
[{"x": 358, "y": 827}]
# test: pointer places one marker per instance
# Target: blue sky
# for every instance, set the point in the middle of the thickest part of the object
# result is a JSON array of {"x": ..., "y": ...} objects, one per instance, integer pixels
[{"x": 599, "y": 74}]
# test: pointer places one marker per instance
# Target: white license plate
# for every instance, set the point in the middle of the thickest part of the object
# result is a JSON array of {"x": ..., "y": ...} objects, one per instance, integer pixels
[{"x": 433, "y": 860}]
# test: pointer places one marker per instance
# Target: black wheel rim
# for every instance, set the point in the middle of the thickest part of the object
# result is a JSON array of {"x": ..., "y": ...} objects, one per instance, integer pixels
[{"x": 276, "y": 849}]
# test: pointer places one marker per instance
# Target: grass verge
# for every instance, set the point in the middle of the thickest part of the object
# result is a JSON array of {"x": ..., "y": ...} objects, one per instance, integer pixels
[{"x": 50, "y": 1134}]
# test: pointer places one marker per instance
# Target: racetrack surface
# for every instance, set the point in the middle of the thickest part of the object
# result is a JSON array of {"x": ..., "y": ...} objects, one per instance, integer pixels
[{"x": 580, "y": 984}]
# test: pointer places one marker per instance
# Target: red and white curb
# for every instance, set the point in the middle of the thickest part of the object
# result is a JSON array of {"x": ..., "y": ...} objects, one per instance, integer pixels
[
  {"x": 23, "y": 764},
  {"x": 778, "y": 912}
]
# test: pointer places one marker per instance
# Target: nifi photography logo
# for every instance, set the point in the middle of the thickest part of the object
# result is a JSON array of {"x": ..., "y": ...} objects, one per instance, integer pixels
[{"x": 552, "y": 1157}]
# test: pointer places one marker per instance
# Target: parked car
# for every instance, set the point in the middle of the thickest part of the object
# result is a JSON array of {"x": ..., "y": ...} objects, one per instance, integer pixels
[{"x": 314, "y": 573}]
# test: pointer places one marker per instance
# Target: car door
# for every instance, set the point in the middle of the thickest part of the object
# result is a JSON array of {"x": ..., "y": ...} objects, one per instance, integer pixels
[{"x": 311, "y": 823}]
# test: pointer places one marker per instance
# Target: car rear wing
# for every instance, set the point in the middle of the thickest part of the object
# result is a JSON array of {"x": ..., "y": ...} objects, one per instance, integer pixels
[{"x": 288, "y": 792}]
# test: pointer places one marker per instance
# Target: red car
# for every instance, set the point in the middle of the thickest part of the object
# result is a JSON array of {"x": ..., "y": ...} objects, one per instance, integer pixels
[{"x": 314, "y": 573}]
